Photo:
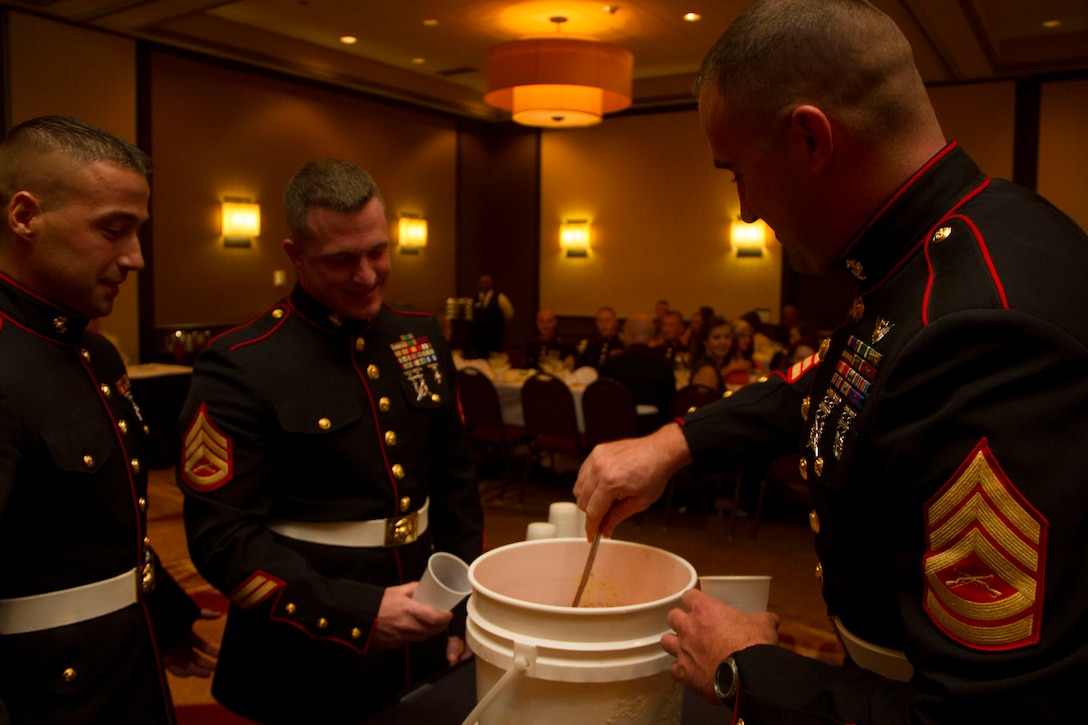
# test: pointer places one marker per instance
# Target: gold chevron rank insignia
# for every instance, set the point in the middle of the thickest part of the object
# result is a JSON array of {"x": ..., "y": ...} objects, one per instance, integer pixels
[
  {"x": 253, "y": 591},
  {"x": 207, "y": 463},
  {"x": 985, "y": 558}
]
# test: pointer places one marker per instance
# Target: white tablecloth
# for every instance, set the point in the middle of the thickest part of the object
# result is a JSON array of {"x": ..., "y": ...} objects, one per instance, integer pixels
[{"x": 509, "y": 390}]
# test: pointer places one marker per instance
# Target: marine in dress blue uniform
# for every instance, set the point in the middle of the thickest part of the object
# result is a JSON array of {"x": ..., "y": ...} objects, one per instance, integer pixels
[
  {"x": 302, "y": 415},
  {"x": 73, "y": 511},
  {"x": 937, "y": 434}
]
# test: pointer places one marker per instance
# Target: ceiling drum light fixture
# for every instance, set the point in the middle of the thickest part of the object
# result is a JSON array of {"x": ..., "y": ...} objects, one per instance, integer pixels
[{"x": 559, "y": 82}]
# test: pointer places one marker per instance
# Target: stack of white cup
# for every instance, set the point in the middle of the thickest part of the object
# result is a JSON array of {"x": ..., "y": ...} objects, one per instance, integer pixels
[{"x": 565, "y": 521}]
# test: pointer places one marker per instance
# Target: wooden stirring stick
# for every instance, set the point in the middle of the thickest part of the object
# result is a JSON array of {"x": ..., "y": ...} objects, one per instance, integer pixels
[{"x": 589, "y": 565}]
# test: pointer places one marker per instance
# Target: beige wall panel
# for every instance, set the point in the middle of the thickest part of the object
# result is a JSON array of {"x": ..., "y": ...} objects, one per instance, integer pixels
[
  {"x": 219, "y": 132},
  {"x": 1063, "y": 147},
  {"x": 979, "y": 116},
  {"x": 65, "y": 70},
  {"x": 660, "y": 213}
]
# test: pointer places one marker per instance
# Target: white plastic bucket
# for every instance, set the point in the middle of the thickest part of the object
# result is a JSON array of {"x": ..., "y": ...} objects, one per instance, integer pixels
[{"x": 541, "y": 661}]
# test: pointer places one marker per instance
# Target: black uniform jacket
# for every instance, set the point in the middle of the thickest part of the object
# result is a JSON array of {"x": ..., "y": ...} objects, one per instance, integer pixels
[
  {"x": 940, "y": 436},
  {"x": 300, "y": 415},
  {"x": 73, "y": 510}
]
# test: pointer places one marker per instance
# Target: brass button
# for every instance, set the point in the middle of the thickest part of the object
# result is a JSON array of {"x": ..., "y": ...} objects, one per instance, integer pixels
[
  {"x": 818, "y": 466},
  {"x": 390, "y": 438},
  {"x": 360, "y": 344},
  {"x": 147, "y": 430},
  {"x": 383, "y": 404},
  {"x": 436, "y": 397},
  {"x": 372, "y": 372},
  {"x": 290, "y": 609},
  {"x": 324, "y": 424},
  {"x": 356, "y": 633},
  {"x": 941, "y": 234},
  {"x": 60, "y": 324},
  {"x": 727, "y": 394},
  {"x": 803, "y": 468},
  {"x": 142, "y": 503},
  {"x": 277, "y": 313},
  {"x": 69, "y": 674},
  {"x": 814, "y": 522},
  {"x": 322, "y": 623},
  {"x": 122, "y": 425},
  {"x": 135, "y": 462},
  {"x": 85, "y": 354},
  {"x": 398, "y": 471},
  {"x": 334, "y": 320},
  {"x": 88, "y": 460},
  {"x": 805, "y": 404},
  {"x": 405, "y": 502},
  {"x": 105, "y": 389},
  {"x": 819, "y": 571}
]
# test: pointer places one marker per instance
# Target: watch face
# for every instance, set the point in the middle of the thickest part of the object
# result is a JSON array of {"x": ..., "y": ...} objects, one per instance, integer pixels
[{"x": 725, "y": 680}]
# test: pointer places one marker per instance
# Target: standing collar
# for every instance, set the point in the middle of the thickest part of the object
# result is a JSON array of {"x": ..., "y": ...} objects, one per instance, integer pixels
[
  {"x": 900, "y": 227},
  {"x": 320, "y": 316},
  {"x": 39, "y": 315}
]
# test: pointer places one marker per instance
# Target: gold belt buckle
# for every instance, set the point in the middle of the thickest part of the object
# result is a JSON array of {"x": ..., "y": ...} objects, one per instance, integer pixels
[{"x": 403, "y": 530}]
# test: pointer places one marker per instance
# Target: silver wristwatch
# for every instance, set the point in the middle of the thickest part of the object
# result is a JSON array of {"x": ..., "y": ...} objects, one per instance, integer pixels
[{"x": 726, "y": 678}]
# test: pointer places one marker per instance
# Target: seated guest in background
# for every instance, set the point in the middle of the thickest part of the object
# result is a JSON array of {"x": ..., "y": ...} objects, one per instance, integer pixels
[
  {"x": 549, "y": 345},
  {"x": 324, "y": 459},
  {"x": 717, "y": 343},
  {"x": 491, "y": 310},
  {"x": 661, "y": 308},
  {"x": 694, "y": 335},
  {"x": 763, "y": 347},
  {"x": 671, "y": 347},
  {"x": 789, "y": 322},
  {"x": 645, "y": 373},
  {"x": 606, "y": 343},
  {"x": 741, "y": 366}
]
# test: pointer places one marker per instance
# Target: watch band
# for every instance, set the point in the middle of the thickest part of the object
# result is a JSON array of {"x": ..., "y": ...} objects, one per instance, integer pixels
[{"x": 726, "y": 678}]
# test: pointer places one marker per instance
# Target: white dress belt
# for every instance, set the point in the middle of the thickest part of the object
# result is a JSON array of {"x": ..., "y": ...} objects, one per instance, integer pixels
[
  {"x": 360, "y": 534},
  {"x": 68, "y": 606},
  {"x": 890, "y": 663}
]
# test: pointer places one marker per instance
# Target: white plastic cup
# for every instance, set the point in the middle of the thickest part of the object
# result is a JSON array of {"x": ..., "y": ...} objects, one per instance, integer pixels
[
  {"x": 445, "y": 582},
  {"x": 564, "y": 514},
  {"x": 540, "y": 530},
  {"x": 749, "y": 594}
]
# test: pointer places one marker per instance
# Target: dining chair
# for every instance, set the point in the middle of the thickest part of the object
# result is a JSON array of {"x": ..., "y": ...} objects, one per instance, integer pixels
[
  {"x": 609, "y": 411},
  {"x": 692, "y": 397},
  {"x": 482, "y": 414},
  {"x": 550, "y": 418}
]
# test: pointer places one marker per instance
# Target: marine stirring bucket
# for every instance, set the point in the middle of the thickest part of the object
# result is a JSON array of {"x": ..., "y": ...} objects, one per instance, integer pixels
[{"x": 541, "y": 661}]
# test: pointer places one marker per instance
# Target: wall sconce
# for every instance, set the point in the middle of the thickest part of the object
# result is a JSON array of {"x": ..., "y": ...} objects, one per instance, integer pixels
[
  {"x": 574, "y": 237},
  {"x": 747, "y": 239},
  {"x": 411, "y": 233},
  {"x": 241, "y": 221}
]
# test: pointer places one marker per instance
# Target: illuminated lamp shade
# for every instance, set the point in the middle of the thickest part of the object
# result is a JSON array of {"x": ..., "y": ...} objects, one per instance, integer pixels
[
  {"x": 747, "y": 240},
  {"x": 574, "y": 237},
  {"x": 411, "y": 233},
  {"x": 559, "y": 82},
  {"x": 241, "y": 221}
]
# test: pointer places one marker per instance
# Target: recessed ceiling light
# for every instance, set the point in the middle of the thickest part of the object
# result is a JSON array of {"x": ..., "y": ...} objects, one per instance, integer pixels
[
  {"x": 348, "y": 39},
  {"x": 1052, "y": 23},
  {"x": 419, "y": 61},
  {"x": 430, "y": 22},
  {"x": 692, "y": 17}
]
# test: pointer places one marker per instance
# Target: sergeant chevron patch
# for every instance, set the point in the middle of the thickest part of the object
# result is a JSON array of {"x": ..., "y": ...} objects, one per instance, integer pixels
[
  {"x": 207, "y": 461},
  {"x": 986, "y": 557}
]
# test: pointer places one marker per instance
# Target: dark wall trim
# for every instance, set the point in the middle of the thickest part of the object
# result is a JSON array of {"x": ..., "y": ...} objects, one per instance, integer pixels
[
  {"x": 145, "y": 291},
  {"x": 5, "y": 73},
  {"x": 1025, "y": 151}
]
